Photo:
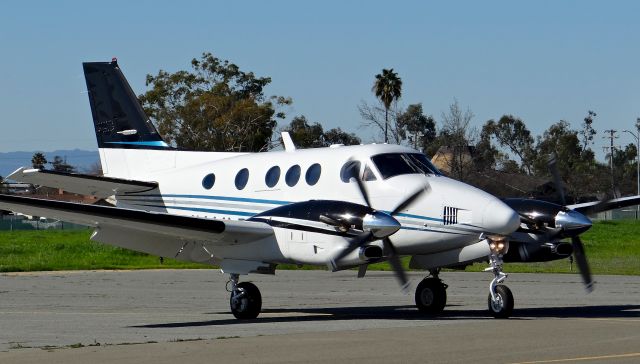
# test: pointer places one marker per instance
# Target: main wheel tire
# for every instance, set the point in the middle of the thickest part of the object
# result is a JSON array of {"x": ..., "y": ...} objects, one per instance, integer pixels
[
  {"x": 249, "y": 305},
  {"x": 431, "y": 296},
  {"x": 502, "y": 307}
]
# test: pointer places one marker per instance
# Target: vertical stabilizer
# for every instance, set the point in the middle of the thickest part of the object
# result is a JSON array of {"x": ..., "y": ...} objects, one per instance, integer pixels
[{"x": 118, "y": 117}]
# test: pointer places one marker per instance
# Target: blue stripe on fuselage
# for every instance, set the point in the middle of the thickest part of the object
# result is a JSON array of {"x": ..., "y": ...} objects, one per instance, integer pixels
[
  {"x": 221, "y": 198},
  {"x": 155, "y": 143},
  {"x": 272, "y": 202},
  {"x": 226, "y": 212}
]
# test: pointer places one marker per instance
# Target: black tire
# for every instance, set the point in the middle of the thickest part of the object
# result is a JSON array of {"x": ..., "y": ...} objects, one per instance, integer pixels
[
  {"x": 431, "y": 296},
  {"x": 249, "y": 305},
  {"x": 504, "y": 305}
]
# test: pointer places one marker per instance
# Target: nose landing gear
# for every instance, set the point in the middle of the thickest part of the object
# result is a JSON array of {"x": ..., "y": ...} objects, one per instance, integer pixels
[
  {"x": 245, "y": 300},
  {"x": 500, "y": 300}
]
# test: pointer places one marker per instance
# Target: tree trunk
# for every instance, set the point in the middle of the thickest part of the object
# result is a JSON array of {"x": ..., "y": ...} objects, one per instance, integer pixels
[{"x": 386, "y": 124}]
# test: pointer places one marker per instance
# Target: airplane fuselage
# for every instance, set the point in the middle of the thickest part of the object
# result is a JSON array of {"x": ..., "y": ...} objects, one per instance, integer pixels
[{"x": 239, "y": 186}]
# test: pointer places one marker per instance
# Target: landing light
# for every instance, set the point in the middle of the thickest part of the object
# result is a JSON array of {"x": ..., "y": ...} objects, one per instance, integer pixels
[{"x": 499, "y": 244}]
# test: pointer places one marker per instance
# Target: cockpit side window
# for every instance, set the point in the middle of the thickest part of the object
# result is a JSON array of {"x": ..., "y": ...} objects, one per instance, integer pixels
[
  {"x": 392, "y": 164},
  {"x": 395, "y": 164},
  {"x": 349, "y": 170},
  {"x": 368, "y": 174},
  {"x": 421, "y": 161}
]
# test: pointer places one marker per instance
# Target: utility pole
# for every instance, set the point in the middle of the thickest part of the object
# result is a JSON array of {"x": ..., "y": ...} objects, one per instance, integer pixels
[
  {"x": 637, "y": 136},
  {"x": 611, "y": 148}
]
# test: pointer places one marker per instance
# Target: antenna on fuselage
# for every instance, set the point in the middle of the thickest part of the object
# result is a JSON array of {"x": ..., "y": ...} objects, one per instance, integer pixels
[{"x": 288, "y": 142}]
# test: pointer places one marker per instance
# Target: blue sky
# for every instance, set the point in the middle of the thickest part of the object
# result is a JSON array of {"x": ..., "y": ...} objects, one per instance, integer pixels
[{"x": 540, "y": 60}]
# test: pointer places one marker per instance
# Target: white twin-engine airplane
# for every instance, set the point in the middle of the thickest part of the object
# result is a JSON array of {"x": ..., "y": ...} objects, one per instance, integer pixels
[{"x": 341, "y": 206}]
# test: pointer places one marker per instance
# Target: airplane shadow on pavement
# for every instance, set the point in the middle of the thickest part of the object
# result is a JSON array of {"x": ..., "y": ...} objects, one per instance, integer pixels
[{"x": 408, "y": 313}]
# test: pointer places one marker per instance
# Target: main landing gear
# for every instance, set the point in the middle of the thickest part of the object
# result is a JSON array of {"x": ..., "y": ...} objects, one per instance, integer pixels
[
  {"x": 500, "y": 300},
  {"x": 245, "y": 300},
  {"x": 431, "y": 294}
]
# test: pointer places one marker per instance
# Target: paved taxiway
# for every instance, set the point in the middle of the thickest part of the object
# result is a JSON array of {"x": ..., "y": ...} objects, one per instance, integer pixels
[{"x": 311, "y": 316}]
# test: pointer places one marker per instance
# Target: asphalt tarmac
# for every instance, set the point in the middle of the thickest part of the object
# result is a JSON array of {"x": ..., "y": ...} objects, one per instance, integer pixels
[{"x": 173, "y": 316}]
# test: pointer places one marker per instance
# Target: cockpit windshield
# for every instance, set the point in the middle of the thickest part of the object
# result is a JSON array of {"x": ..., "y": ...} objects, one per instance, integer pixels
[{"x": 394, "y": 164}]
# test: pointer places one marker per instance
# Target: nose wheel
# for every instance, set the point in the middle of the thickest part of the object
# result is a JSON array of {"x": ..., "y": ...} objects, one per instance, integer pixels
[
  {"x": 245, "y": 300},
  {"x": 501, "y": 302}
]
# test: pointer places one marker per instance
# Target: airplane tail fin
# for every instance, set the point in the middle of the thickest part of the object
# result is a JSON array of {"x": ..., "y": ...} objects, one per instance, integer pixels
[{"x": 118, "y": 117}]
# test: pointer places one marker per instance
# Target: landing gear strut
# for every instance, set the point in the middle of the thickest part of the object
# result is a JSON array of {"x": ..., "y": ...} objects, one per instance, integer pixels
[
  {"x": 500, "y": 299},
  {"x": 245, "y": 300},
  {"x": 431, "y": 295}
]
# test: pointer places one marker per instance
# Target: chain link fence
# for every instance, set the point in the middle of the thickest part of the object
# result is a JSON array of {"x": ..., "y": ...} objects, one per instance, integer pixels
[{"x": 17, "y": 222}]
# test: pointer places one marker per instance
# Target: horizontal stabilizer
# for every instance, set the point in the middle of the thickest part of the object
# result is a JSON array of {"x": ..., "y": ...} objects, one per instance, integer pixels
[{"x": 84, "y": 184}]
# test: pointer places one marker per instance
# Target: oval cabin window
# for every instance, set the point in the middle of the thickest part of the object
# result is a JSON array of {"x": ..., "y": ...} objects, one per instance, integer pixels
[
  {"x": 208, "y": 181},
  {"x": 272, "y": 177},
  {"x": 242, "y": 178},
  {"x": 293, "y": 176},
  {"x": 313, "y": 174}
]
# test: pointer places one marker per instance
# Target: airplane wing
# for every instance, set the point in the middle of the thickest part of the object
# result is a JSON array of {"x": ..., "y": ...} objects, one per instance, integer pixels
[
  {"x": 101, "y": 187},
  {"x": 135, "y": 224},
  {"x": 588, "y": 208}
]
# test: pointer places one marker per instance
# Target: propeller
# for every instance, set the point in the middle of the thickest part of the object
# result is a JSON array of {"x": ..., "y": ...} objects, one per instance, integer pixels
[
  {"x": 368, "y": 236},
  {"x": 576, "y": 242}
]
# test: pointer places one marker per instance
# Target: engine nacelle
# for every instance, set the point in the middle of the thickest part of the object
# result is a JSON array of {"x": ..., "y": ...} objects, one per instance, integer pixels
[
  {"x": 549, "y": 218},
  {"x": 531, "y": 252}
]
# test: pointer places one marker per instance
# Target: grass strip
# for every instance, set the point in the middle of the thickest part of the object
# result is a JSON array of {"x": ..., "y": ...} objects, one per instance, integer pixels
[{"x": 613, "y": 247}]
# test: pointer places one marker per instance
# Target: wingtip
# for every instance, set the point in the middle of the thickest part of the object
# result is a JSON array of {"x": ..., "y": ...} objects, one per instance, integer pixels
[{"x": 16, "y": 173}]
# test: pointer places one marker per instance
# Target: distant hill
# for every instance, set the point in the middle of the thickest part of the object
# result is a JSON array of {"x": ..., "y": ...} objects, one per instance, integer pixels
[{"x": 81, "y": 159}]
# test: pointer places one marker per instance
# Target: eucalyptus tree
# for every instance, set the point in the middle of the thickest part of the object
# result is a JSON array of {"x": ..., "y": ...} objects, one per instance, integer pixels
[
  {"x": 420, "y": 128},
  {"x": 313, "y": 135},
  {"x": 213, "y": 107},
  {"x": 511, "y": 132}
]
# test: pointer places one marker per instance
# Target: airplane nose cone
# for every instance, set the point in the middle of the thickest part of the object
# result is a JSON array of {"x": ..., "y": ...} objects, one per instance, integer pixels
[
  {"x": 572, "y": 221},
  {"x": 498, "y": 218}
]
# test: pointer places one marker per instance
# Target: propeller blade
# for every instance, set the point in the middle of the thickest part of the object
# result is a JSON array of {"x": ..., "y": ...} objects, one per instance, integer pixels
[
  {"x": 363, "y": 190},
  {"x": 394, "y": 261},
  {"x": 581, "y": 260},
  {"x": 608, "y": 204},
  {"x": 328, "y": 220},
  {"x": 355, "y": 244},
  {"x": 344, "y": 226},
  {"x": 556, "y": 178},
  {"x": 362, "y": 270},
  {"x": 411, "y": 199}
]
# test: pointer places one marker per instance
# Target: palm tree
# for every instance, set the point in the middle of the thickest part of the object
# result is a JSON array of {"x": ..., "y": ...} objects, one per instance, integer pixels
[
  {"x": 387, "y": 87},
  {"x": 38, "y": 160}
]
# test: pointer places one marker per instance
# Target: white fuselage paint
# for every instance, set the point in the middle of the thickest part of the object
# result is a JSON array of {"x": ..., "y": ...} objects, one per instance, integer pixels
[{"x": 425, "y": 228}]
